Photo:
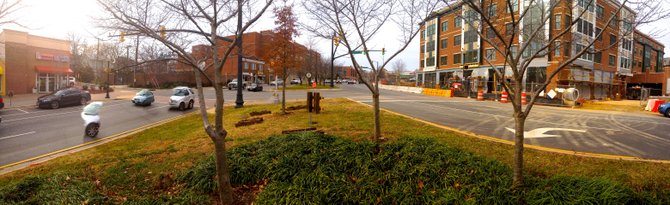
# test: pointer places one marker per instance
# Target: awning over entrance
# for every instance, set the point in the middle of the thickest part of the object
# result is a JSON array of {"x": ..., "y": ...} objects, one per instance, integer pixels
[{"x": 47, "y": 69}]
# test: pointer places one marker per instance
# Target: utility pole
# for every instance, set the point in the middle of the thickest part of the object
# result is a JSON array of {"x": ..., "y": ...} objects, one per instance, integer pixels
[
  {"x": 109, "y": 70},
  {"x": 137, "y": 48},
  {"x": 239, "y": 102}
]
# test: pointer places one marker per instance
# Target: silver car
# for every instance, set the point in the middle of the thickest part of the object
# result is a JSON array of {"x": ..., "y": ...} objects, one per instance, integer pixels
[{"x": 182, "y": 98}]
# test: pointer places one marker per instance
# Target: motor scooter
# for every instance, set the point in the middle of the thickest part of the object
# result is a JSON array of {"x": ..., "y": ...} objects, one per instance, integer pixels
[{"x": 91, "y": 118}]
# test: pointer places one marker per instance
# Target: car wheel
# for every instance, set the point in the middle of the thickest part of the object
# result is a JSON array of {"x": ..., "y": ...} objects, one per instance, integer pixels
[
  {"x": 190, "y": 104},
  {"x": 82, "y": 101},
  {"x": 55, "y": 105},
  {"x": 230, "y": 88},
  {"x": 92, "y": 129},
  {"x": 667, "y": 112},
  {"x": 148, "y": 104},
  {"x": 182, "y": 106}
]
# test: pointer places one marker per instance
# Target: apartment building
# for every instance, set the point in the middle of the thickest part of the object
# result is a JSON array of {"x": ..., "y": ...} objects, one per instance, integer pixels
[{"x": 453, "y": 51}]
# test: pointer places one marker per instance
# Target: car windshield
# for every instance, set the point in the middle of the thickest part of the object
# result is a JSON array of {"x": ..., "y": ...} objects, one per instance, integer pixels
[
  {"x": 143, "y": 92},
  {"x": 60, "y": 92},
  {"x": 179, "y": 92},
  {"x": 92, "y": 108}
]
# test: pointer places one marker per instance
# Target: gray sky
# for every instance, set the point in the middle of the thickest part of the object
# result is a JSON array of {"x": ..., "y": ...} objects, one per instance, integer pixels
[{"x": 57, "y": 18}]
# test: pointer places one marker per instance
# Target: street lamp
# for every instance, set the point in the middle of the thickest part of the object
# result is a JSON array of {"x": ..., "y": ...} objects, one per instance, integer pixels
[{"x": 109, "y": 70}]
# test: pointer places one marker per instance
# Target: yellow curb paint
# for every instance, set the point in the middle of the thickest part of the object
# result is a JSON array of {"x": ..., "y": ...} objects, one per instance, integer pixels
[
  {"x": 128, "y": 132},
  {"x": 536, "y": 147}
]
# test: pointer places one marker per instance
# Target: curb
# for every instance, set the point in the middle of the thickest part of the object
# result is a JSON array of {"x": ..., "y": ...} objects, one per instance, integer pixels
[
  {"x": 52, "y": 155},
  {"x": 536, "y": 147}
]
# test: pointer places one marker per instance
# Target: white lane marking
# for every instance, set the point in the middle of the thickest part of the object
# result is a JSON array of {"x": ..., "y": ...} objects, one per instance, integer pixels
[
  {"x": 61, "y": 109},
  {"x": 13, "y": 136},
  {"x": 19, "y": 109},
  {"x": 539, "y": 132},
  {"x": 54, "y": 114}
]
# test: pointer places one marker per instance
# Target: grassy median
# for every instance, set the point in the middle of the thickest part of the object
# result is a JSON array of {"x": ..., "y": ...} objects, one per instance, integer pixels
[{"x": 162, "y": 165}]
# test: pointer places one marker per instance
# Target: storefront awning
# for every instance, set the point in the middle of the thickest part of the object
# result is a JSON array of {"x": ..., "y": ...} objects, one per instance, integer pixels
[{"x": 47, "y": 69}]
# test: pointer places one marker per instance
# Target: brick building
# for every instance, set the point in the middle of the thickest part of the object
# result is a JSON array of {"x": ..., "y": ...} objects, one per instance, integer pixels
[
  {"x": 31, "y": 63},
  {"x": 451, "y": 49},
  {"x": 254, "y": 44}
]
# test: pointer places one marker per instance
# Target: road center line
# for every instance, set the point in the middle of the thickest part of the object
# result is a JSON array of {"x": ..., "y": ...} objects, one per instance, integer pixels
[
  {"x": 13, "y": 136},
  {"x": 19, "y": 109}
]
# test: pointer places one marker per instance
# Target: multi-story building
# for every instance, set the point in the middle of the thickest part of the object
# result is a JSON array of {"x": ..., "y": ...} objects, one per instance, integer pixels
[
  {"x": 452, "y": 49},
  {"x": 254, "y": 45}
]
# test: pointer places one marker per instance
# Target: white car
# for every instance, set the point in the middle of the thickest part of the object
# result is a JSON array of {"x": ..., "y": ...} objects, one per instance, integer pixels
[
  {"x": 295, "y": 82},
  {"x": 182, "y": 98},
  {"x": 277, "y": 82}
]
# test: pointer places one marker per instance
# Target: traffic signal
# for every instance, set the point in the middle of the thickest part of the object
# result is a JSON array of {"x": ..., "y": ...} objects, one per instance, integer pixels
[
  {"x": 122, "y": 37},
  {"x": 336, "y": 41},
  {"x": 162, "y": 31},
  {"x": 383, "y": 51}
]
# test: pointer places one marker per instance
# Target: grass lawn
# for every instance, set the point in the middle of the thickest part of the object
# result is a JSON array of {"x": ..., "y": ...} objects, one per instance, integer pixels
[{"x": 148, "y": 166}]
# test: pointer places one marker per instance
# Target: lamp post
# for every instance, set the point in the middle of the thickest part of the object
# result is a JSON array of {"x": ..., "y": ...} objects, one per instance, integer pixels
[
  {"x": 335, "y": 40},
  {"x": 109, "y": 70},
  {"x": 239, "y": 102}
]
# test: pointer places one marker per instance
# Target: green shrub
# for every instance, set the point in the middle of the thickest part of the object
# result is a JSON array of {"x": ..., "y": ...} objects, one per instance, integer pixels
[{"x": 309, "y": 168}]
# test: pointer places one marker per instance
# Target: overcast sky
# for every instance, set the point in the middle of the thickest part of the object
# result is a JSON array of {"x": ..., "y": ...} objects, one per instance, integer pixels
[{"x": 57, "y": 18}]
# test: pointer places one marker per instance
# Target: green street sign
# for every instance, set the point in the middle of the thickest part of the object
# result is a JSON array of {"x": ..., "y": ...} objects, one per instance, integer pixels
[{"x": 357, "y": 52}]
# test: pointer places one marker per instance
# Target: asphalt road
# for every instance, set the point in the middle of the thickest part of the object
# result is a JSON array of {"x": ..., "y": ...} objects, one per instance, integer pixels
[
  {"x": 31, "y": 132},
  {"x": 643, "y": 135}
]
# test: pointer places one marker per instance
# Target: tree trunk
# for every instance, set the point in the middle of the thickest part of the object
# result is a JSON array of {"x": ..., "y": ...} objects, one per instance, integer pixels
[
  {"x": 283, "y": 93},
  {"x": 222, "y": 175},
  {"x": 375, "y": 105},
  {"x": 519, "y": 121}
]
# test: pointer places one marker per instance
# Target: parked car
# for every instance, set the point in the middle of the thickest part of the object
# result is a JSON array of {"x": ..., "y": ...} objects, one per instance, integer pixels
[
  {"x": 68, "y": 96},
  {"x": 255, "y": 87},
  {"x": 664, "y": 109},
  {"x": 233, "y": 84},
  {"x": 277, "y": 82},
  {"x": 182, "y": 98},
  {"x": 295, "y": 81},
  {"x": 351, "y": 82},
  {"x": 144, "y": 97}
]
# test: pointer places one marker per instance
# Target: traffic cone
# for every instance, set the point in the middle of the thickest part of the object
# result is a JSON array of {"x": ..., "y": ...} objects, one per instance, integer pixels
[{"x": 523, "y": 98}]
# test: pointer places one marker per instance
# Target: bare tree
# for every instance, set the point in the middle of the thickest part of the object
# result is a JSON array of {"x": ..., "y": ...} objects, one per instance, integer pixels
[
  {"x": 398, "y": 67},
  {"x": 358, "y": 22},
  {"x": 179, "y": 24},
  {"x": 520, "y": 34}
]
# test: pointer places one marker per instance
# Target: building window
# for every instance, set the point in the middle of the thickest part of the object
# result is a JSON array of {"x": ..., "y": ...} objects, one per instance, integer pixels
[
  {"x": 557, "y": 48},
  {"x": 625, "y": 63},
  {"x": 627, "y": 44},
  {"x": 597, "y": 58},
  {"x": 444, "y": 43},
  {"x": 423, "y": 49},
  {"x": 599, "y": 11},
  {"x": 443, "y": 60},
  {"x": 457, "y": 22},
  {"x": 457, "y": 40},
  {"x": 509, "y": 29},
  {"x": 587, "y": 4},
  {"x": 470, "y": 36},
  {"x": 598, "y": 31},
  {"x": 246, "y": 66},
  {"x": 253, "y": 66},
  {"x": 490, "y": 54},
  {"x": 612, "y": 39},
  {"x": 490, "y": 33},
  {"x": 457, "y": 58},
  {"x": 557, "y": 22},
  {"x": 588, "y": 55},
  {"x": 514, "y": 5},
  {"x": 513, "y": 51},
  {"x": 493, "y": 9},
  {"x": 584, "y": 27},
  {"x": 445, "y": 25},
  {"x": 612, "y": 60}
]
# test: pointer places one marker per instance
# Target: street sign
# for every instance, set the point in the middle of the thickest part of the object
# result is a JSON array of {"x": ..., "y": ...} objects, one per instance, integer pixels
[
  {"x": 551, "y": 94},
  {"x": 309, "y": 75},
  {"x": 357, "y": 52}
]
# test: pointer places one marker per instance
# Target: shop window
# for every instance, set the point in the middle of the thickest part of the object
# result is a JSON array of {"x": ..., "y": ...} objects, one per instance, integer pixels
[{"x": 535, "y": 78}]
